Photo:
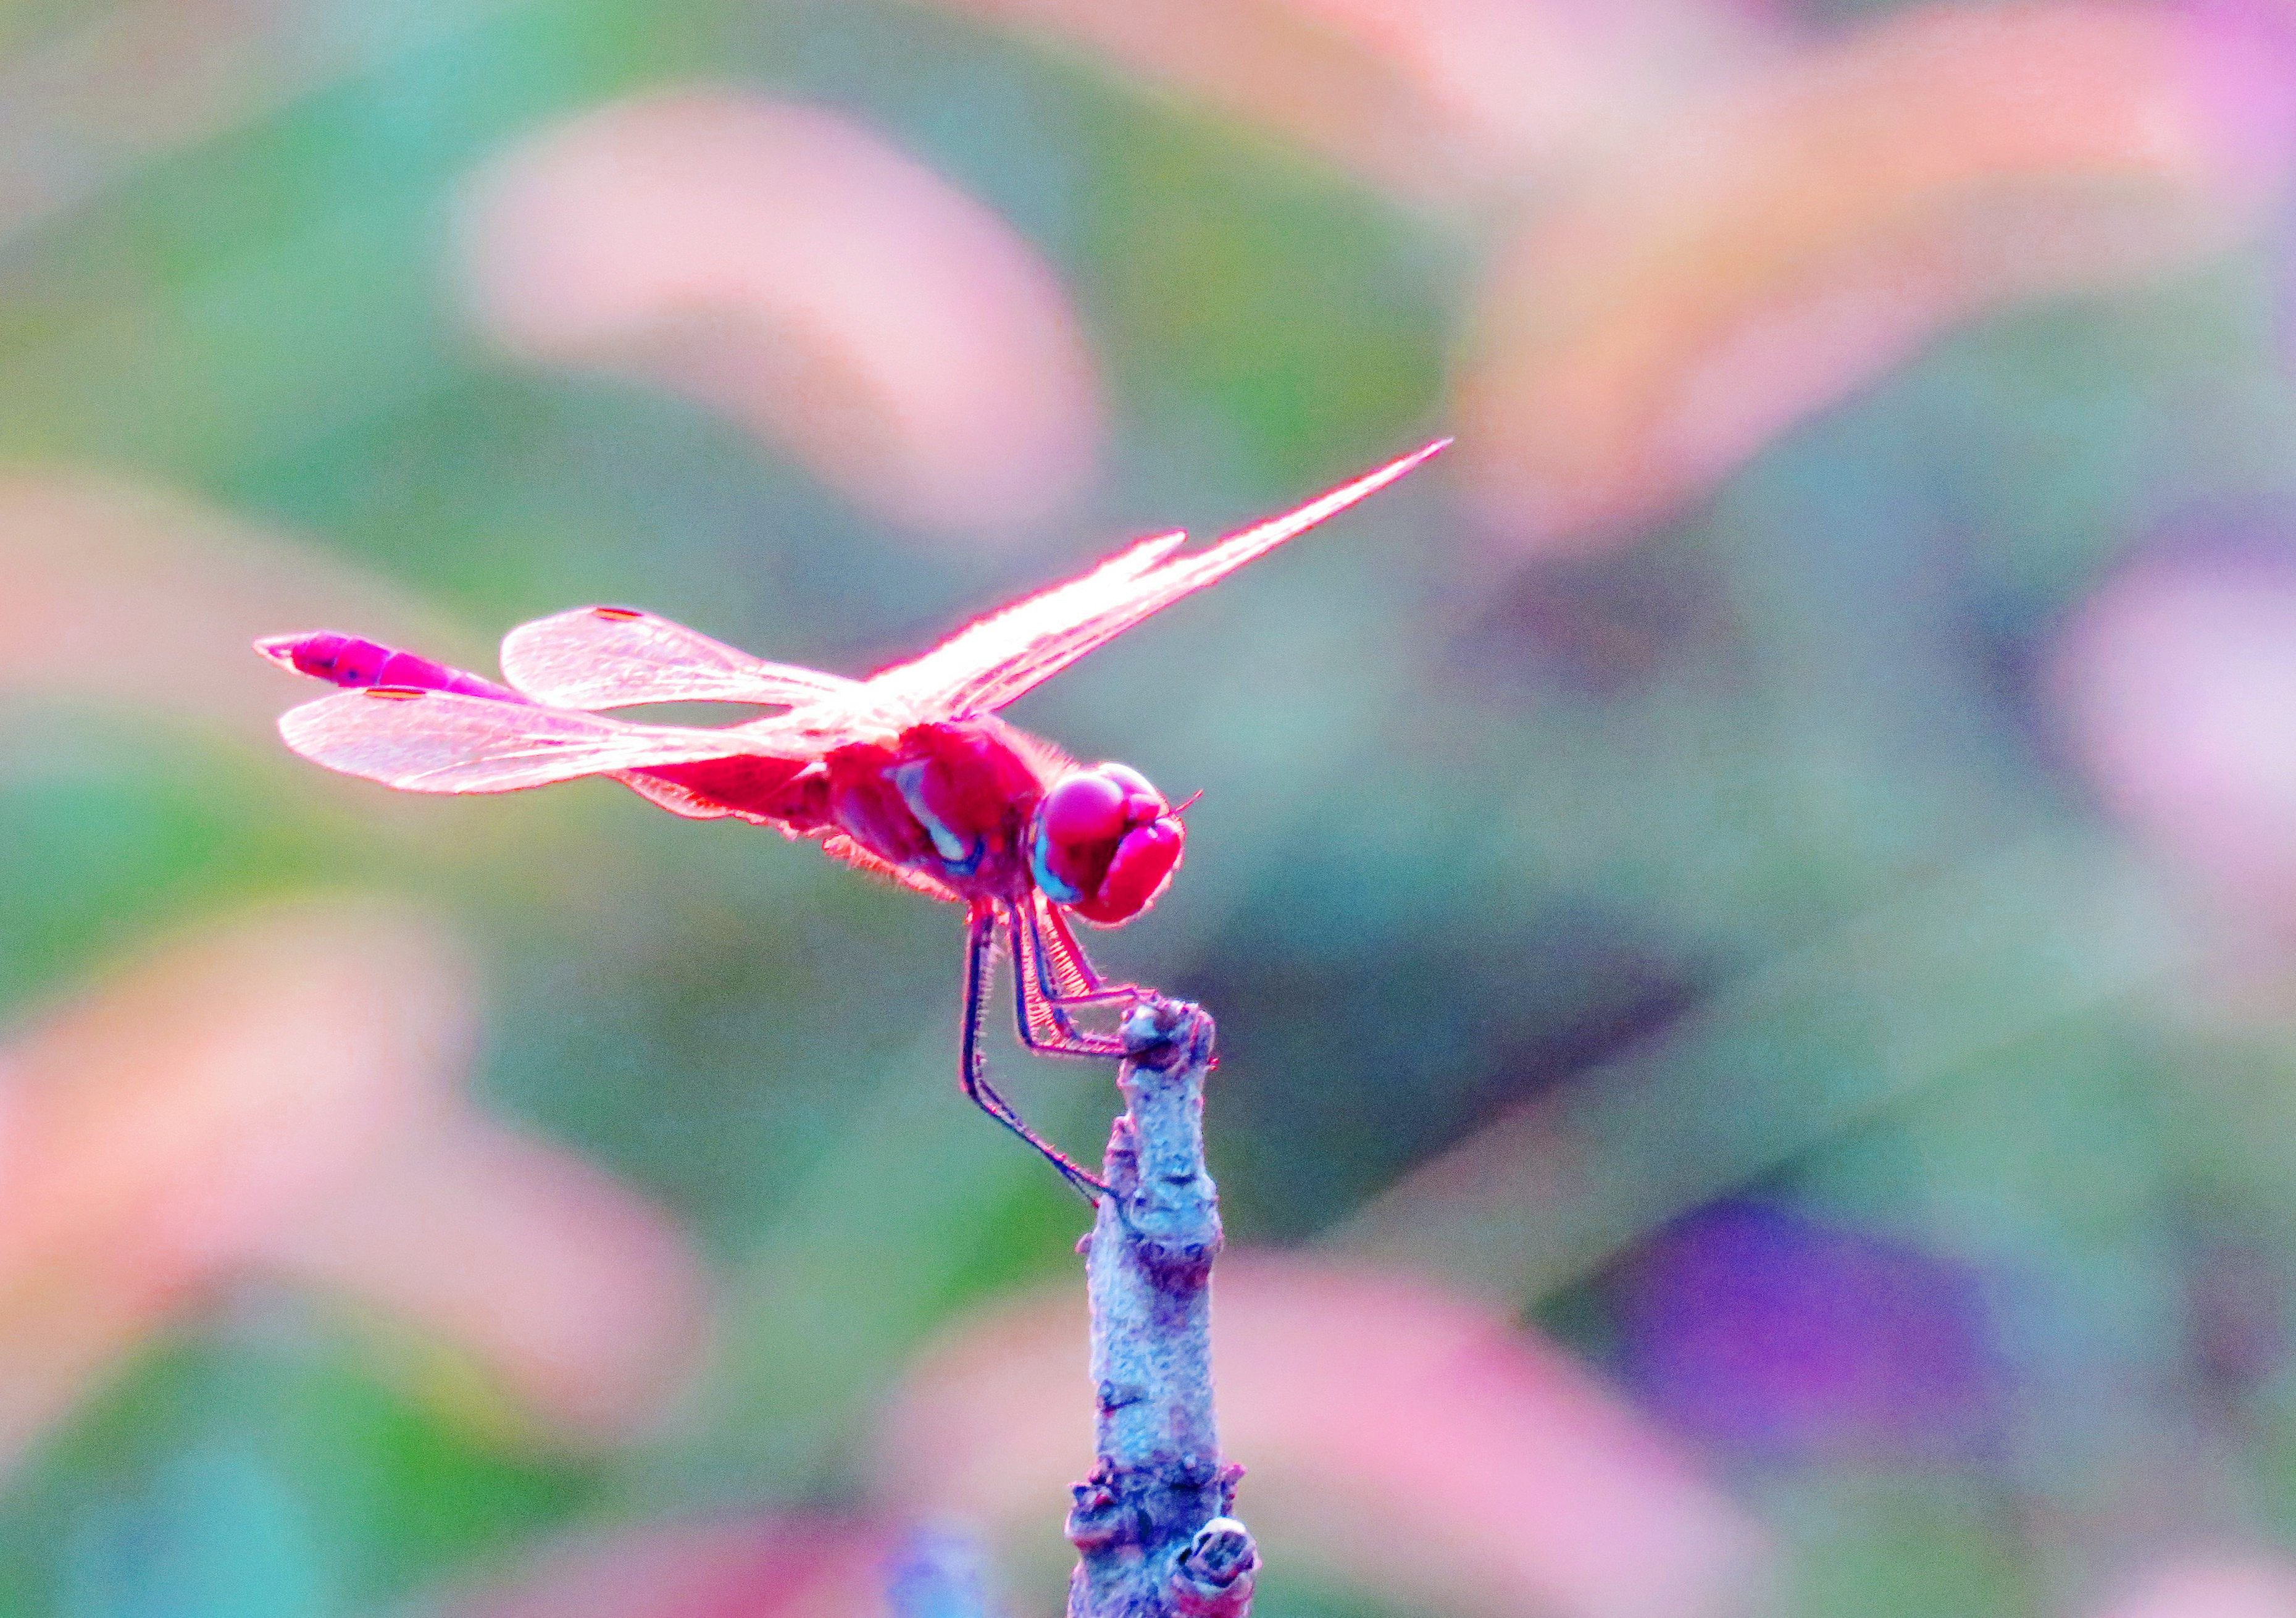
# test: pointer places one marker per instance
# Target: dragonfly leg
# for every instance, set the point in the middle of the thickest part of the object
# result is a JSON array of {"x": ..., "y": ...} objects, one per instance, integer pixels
[
  {"x": 1097, "y": 991},
  {"x": 979, "y": 945},
  {"x": 1041, "y": 1012}
]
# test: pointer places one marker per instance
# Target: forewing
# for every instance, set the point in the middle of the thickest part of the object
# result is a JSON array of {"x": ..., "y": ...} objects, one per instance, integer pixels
[
  {"x": 612, "y": 657},
  {"x": 914, "y": 690},
  {"x": 986, "y": 665},
  {"x": 440, "y": 742}
]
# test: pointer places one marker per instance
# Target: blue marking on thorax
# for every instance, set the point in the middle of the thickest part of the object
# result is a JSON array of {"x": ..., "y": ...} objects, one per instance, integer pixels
[{"x": 960, "y": 858}]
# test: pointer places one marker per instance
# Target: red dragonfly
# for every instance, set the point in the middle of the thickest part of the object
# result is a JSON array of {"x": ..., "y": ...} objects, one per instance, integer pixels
[{"x": 908, "y": 774}]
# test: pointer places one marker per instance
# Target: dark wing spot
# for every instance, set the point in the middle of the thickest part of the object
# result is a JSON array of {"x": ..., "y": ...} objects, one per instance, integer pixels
[
  {"x": 396, "y": 694},
  {"x": 618, "y": 613}
]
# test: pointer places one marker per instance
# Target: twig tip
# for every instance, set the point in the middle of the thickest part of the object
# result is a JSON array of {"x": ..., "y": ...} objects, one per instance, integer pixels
[{"x": 1158, "y": 1032}]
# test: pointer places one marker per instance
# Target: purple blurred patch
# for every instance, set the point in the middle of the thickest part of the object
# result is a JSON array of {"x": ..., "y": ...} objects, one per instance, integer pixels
[{"x": 1768, "y": 1332}]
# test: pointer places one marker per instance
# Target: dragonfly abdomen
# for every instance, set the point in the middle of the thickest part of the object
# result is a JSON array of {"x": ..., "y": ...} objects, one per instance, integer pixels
[
  {"x": 354, "y": 662},
  {"x": 790, "y": 792}
]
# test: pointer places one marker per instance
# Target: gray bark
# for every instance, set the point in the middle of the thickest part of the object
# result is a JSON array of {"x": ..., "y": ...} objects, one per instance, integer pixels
[{"x": 1151, "y": 1524}]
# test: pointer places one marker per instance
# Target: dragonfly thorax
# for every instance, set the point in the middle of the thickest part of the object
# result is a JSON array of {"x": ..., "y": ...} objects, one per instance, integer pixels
[{"x": 950, "y": 801}]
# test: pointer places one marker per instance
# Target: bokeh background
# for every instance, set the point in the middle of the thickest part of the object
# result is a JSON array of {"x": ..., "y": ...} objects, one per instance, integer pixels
[{"x": 1753, "y": 906}]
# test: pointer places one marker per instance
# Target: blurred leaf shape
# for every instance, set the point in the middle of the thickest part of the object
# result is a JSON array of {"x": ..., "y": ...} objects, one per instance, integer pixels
[
  {"x": 580, "y": 1297},
  {"x": 1779, "y": 1333},
  {"x": 137, "y": 596},
  {"x": 1437, "y": 99},
  {"x": 1423, "y": 1446},
  {"x": 793, "y": 269},
  {"x": 278, "y": 1095},
  {"x": 1811, "y": 228},
  {"x": 764, "y": 1568},
  {"x": 2226, "y": 1583},
  {"x": 2177, "y": 684},
  {"x": 89, "y": 105}
]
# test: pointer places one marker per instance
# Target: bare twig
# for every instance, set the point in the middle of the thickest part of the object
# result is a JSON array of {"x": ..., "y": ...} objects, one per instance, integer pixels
[{"x": 1150, "y": 1524}]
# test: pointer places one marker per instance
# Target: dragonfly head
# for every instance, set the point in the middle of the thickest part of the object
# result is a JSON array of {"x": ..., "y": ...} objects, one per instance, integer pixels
[{"x": 1104, "y": 843}]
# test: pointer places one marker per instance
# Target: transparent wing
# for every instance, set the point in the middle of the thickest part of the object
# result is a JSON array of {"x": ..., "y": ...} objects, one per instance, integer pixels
[
  {"x": 985, "y": 666},
  {"x": 612, "y": 657},
  {"x": 909, "y": 689},
  {"x": 440, "y": 742}
]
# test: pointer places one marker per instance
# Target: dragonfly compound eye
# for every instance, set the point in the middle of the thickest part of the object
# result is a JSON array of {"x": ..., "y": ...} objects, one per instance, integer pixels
[
  {"x": 1145, "y": 859},
  {"x": 1104, "y": 843},
  {"x": 1084, "y": 807}
]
